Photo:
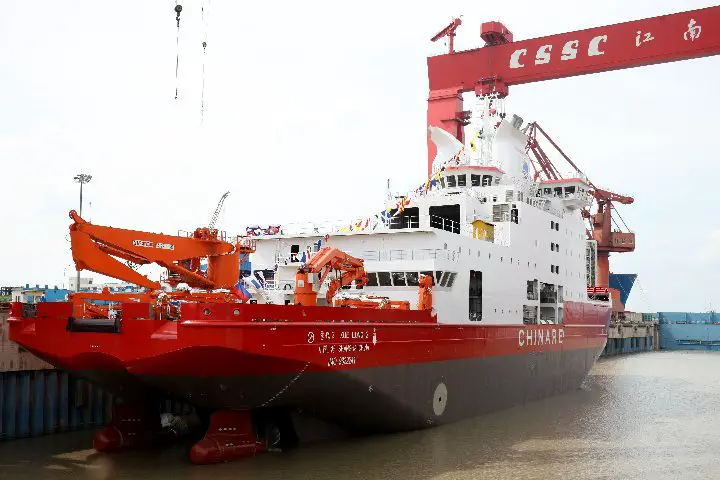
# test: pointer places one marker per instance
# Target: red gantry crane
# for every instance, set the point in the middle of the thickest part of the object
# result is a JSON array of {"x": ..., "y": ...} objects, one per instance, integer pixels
[
  {"x": 502, "y": 62},
  {"x": 608, "y": 240}
]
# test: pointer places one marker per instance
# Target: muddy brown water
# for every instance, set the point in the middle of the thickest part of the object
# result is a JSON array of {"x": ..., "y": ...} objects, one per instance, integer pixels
[{"x": 651, "y": 415}]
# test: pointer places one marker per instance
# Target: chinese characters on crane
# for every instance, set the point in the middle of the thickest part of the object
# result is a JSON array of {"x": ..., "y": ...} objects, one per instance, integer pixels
[
  {"x": 543, "y": 54},
  {"x": 693, "y": 31},
  {"x": 643, "y": 38}
]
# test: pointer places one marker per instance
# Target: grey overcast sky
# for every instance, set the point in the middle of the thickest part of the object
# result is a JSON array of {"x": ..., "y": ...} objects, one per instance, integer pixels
[{"x": 309, "y": 108}]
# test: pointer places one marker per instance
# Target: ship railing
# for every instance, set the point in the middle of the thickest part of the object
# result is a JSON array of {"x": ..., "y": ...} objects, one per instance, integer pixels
[
  {"x": 388, "y": 255},
  {"x": 373, "y": 224},
  {"x": 325, "y": 227},
  {"x": 366, "y": 225},
  {"x": 446, "y": 224},
  {"x": 397, "y": 254},
  {"x": 422, "y": 221},
  {"x": 554, "y": 211},
  {"x": 402, "y": 222}
]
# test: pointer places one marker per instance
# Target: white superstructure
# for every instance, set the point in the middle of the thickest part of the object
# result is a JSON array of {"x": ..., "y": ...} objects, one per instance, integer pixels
[{"x": 501, "y": 249}]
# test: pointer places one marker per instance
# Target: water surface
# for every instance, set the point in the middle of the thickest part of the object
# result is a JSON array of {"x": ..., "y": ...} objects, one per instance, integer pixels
[{"x": 651, "y": 415}]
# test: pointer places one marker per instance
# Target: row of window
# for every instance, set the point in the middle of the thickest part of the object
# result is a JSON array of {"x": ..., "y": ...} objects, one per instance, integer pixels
[
  {"x": 559, "y": 191},
  {"x": 555, "y": 247},
  {"x": 555, "y": 268},
  {"x": 554, "y": 225},
  {"x": 461, "y": 180},
  {"x": 409, "y": 279}
]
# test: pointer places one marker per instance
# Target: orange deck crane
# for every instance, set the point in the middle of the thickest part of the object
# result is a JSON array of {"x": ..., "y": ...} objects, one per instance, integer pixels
[
  {"x": 97, "y": 248},
  {"x": 330, "y": 259},
  {"x": 325, "y": 261}
]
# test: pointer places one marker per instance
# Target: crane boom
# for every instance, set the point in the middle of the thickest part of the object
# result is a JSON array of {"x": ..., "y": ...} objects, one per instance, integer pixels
[
  {"x": 325, "y": 261},
  {"x": 449, "y": 32},
  {"x": 504, "y": 62},
  {"x": 94, "y": 248}
]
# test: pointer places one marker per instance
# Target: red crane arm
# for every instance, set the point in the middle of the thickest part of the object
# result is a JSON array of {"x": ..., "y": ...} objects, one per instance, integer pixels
[
  {"x": 94, "y": 246},
  {"x": 328, "y": 259},
  {"x": 449, "y": 32},
  {"x": 601, "y": 194},
  {"x": 503, "y": 62},
  {"x": 325, "y": 261},
  {"x": 667, "y": 38}
]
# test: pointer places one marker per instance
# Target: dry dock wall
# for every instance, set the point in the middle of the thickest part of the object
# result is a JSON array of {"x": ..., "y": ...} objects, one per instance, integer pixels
[
  {"x": 631, "y": 332},
  {"x": 36, "y": 399}
]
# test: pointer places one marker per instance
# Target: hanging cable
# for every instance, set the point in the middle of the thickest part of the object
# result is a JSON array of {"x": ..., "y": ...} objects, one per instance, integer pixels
[
  {"x": 204, "y": 45},
  {"x": 178, "y": 9}
]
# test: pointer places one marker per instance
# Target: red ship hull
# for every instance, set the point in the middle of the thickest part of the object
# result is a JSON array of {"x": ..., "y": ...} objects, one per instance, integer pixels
[{"x": 366, "y": 370}]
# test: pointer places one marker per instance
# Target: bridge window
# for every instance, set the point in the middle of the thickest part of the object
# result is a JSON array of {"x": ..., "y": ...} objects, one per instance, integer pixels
[
  {"x": 399, "y": 279},
  {"x": 409, "y": 279},
  {"x": 448, "y": 279},
  {"x": 409, "y": 218},
  {"x": 475, "y": 180},
  {"x": 384, "y": 279},
  {"x": 429, "y": 274},
  {"x": 486, "y": 180},
  {"x": 445, "y": 217},
  {"x": 461, "y": 180},
  {"x": 475, "y": 294},
  {"x": 451, "y": 181}
]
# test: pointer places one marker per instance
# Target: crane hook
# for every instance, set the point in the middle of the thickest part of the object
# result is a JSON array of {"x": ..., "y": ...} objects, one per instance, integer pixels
[{"x": 178, "y": 9}]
